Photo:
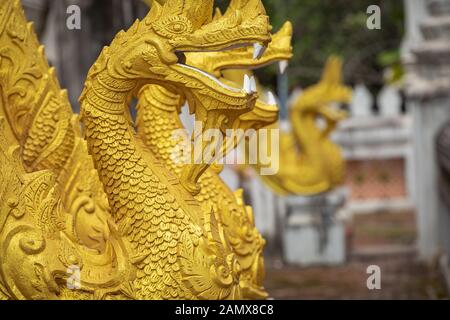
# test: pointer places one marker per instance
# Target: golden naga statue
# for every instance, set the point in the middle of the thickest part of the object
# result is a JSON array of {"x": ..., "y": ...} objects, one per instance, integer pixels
[
  {"x": 101, "y": 214},
  {"x": 309, "y": 162},
  {"x": 158, "y": 116}
]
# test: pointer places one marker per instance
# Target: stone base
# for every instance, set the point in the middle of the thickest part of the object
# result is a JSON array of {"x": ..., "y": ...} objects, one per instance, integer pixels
[
  {"x": 314, "y": 232},
  {"x": 302, "y": 245}
]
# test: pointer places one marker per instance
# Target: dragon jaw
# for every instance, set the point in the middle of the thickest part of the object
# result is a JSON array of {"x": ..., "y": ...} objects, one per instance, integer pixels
[{"x": 227, "y": 65}]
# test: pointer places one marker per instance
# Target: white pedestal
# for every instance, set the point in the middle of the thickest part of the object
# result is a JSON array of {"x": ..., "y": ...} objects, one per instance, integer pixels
[{"x": 314, "y": 231}]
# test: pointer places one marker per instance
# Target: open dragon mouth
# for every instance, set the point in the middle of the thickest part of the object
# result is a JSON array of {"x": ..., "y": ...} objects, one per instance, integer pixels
[
  {"x": 264, "y": 110},
  {"x": 249, "y": 84},
  {"x": 211, "y": 77},
  {"x": 218, "y": 109}
]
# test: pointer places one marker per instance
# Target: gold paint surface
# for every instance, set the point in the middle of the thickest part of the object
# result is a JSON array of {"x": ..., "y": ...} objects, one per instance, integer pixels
[{"x": 105, "y": 201}]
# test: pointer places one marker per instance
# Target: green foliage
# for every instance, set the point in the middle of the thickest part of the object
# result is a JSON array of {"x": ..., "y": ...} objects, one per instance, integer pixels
[{"x": 325, "y": 27}]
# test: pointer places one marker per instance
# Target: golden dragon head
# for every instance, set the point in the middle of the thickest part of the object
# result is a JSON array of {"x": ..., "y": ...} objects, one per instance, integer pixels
[
  {"x": 246, "y": 58},
  {"x": 319, "y": 98},
  {"x": 233, "y": 66},
  {"x": 239, "y": 60},
  {"x": 153, "y": 51}
]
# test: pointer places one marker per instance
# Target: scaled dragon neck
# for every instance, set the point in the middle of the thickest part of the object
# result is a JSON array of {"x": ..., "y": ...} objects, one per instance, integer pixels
[
  {"x": 307, "y": 135},
  {"x": 114, "y": 146},
  {"x": 139, "y": 190},
  {"x": 170, "y": 236},
  {"x": 157, "y": 119}
]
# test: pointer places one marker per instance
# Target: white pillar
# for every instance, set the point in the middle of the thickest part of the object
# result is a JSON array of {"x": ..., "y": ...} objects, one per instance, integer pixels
[
  {"x": 428, "y": 92},
  {"x": 415, "y": 13},
  {"x": 426, "y": 125}
]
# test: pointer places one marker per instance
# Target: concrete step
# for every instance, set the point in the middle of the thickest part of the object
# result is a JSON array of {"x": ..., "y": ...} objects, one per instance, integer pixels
[
  {"x": 383, "y": 251},
  {"x": 438, "y": 7},
  {"x": 434, "y": 52},
  {"x": 420, "y": 87}
]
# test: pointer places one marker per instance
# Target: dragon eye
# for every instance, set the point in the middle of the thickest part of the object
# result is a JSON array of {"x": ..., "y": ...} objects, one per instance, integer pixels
[
  {"x": 173, "y": 26},
  {"x": 178, "y": 27}
]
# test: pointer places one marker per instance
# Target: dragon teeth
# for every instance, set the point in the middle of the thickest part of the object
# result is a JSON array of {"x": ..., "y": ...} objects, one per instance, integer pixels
[
  {"x": 282, "y": 65},
  {"x": 258, "y": 51},
  {"x": 253, "y": 84},
  {"x": 247, "y": 84},
  {"x": 271, "y": 99}
]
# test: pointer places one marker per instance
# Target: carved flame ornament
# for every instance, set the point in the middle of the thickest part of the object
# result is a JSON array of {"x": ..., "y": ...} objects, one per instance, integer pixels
[{"x": 100, "y": 213}]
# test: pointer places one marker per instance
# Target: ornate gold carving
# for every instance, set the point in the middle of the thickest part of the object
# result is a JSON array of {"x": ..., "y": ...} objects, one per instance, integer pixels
[
  {"x": 132, "y": 228},
  {"x": 158, "y": 117}
]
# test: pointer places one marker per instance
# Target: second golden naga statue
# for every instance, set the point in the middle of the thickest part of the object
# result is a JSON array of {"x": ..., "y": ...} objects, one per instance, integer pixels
[
  {"x": 310, "y": 162},
  {"x": 102, "y": 214}
]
